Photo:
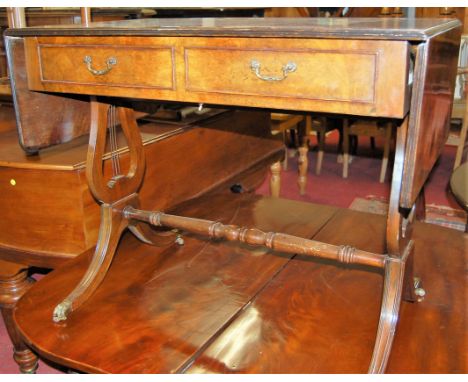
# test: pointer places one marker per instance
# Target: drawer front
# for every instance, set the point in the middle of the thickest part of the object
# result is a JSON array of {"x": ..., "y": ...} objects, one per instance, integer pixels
[
  {"x": 94, "y": 63},
  {"x": 310, "y": 74},
  {"x": 345, "y": 76},
  {"x": 360, "y": 77}
]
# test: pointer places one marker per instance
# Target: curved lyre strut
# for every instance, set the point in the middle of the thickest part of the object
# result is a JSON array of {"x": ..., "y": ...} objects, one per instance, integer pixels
[
  {"x": 110, "y": 230},
  {"x": 114, "y": 196},
  {"x": 399, "y": 248},
  {"x": 389, "y": 310}
]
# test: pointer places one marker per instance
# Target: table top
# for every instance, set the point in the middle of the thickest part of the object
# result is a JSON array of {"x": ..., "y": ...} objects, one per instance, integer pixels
[
  {"x": 221, "y": 307},
  {"x": 362, "y": 28}
]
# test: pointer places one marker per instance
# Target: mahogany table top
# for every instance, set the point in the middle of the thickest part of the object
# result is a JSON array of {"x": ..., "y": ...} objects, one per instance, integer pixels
[
  {"x": 221, "y": 307},
  {"x": 363, "y": 28}
]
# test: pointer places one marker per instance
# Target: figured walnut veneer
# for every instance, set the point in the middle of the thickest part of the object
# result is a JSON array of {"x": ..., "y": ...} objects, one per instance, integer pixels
[{"x": 368, "y": 77}]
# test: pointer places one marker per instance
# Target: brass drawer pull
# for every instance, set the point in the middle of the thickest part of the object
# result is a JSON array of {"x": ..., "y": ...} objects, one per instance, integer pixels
[
  {"x": 288, "y": 68},
  {"x": 110, "y": 62}
]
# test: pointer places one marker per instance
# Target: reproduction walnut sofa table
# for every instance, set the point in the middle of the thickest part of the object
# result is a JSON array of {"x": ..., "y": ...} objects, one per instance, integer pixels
[{"x": 401, "y": 70}]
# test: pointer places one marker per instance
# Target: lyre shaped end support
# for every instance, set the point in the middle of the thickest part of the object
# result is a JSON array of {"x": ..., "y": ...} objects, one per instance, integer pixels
[
  {"x": 114, "y": 196},
  {"x": 394, "y": 278},
  {"x": 121, "y": 186},
  {"x": 112, "y": 226}
]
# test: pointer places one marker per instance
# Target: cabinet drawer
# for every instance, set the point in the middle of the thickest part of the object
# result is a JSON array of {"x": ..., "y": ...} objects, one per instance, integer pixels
[
  {"x": 358, "y": 77},
  {"x": 93, "y": 63},
  {"x": 336, "y": 75}
]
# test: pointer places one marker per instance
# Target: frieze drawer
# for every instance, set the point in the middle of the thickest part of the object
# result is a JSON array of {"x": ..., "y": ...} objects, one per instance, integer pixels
[
  {"x": 78, "y": 65},
  {"x": 322, "y": 75}
]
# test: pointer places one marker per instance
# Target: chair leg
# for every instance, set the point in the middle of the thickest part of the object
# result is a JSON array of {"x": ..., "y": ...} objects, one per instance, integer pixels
[
  {"x": 275, "y": 179},
  {"x": 286, "y": 154},
  {"x": 321, "y": 148},
  {"x": 388, "y": 138},
  {"x": 345, "y": 147},
  {"x": 303, "y": 165}
]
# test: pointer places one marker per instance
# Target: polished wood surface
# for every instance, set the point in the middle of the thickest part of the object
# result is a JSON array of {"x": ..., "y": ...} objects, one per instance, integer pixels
[
  {"x": 56, "y": 127},
  {"x": 255, "y": 237},
  {"x": 28, "y": 237},
  {"x": 14, "y": 282},
  {"x": 218, "y": 281},
  {"x": 431, "y": 106},
  {"x": 62, "y": 62},
  {"x": 67, "y": 204},
  {"x": 369, "y": 77},
  {"x": 38, "y": 111},
  {"x": 348, "y": 28},
  {"x": 194, "y": 82},
  {"x": 213, "y": 307},
  {"x": 313, "y": 311}
]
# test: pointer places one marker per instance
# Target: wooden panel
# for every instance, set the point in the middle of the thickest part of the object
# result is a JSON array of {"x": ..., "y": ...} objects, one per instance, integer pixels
[
  {"x": 228, "y": 70},
  {"x": 7, "y": 118},
  {"x": 315, "y": 317},
  {"x": 136, "y": 66},
  {"x": 72, "y": 155},
  {"x": 42, "y": 119},
  {"x": 349, "y": 77},
  {"x": 334, "y": 76},
  {"x": 431, "y": 106},
  {"x": 34, "y": 216},
  {"x": 170, "y": 320},
  {"x": 155, "y": 77}
]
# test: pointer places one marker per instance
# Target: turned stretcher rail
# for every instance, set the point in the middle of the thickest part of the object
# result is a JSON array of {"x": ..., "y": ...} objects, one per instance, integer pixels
[{"x": 277, "y": 241}]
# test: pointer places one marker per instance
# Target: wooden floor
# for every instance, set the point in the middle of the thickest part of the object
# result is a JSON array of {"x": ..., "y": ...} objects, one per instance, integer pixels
[{"x": 220, "y": 307}]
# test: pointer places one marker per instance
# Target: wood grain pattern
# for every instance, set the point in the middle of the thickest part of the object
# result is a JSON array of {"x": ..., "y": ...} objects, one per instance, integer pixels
[
  {"x": 219, "y": 281},
  {"x": 316, "y": 318},
  {"x": 337, "y": 76},
  {"x": 277, "y": 241},
  {"x": 386, "y": 95},
  {"x": 43, "y": 211},
  {"x": 282, "y": 27},
  {"x": 7, "y": 118},
  {"x": 233, "y": 64},
  {"x": 137, "y": 66},
  {"x": 41, "y": 125},
  {"x": 431, "y": 105},
  {"x": 243, "y": 316},
  {"x": 124, "y": 184}
]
